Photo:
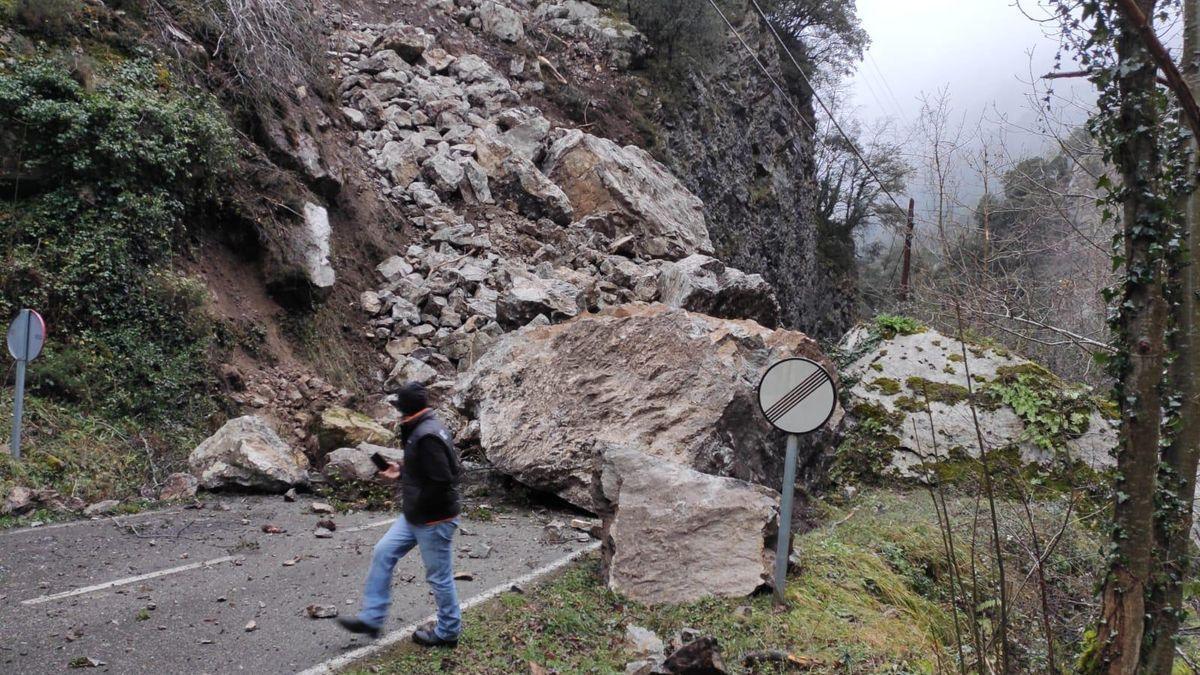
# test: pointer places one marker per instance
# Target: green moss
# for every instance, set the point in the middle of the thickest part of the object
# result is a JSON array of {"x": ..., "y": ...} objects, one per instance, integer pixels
[
  {"x": 890, "y": 325},
  {"x": 956, "y": 357},
  {"x": 942, "y": 392},
  {"x": 910, "y": 404},
  {"x": 863, "y": 601},
  {"x": 1051, "y": 411},
  {"x": 885, "y": 385},
  {"x": 877, "y": 367}
]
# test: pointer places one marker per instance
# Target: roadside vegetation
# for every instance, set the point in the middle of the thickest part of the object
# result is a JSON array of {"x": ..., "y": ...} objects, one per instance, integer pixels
[
  {"x": 870, "y": 595},
  {"x": 107, "y": 172}
]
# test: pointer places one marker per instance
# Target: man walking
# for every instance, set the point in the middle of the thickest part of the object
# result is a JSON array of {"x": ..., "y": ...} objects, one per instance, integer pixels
[{"x": 429, "y": 489}]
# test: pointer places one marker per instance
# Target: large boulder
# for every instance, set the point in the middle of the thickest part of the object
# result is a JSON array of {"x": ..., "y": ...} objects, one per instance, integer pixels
[
  {"x": 339, "y": 427},
  {"x": 680, "y": 385},
  {"x": 623, "y": 191},
  {"x": 247, "y": 453},
  {"x": 699, "y": 283},
  {"x": 899, "y": 367},
  {"x": 675, "y": 535}
]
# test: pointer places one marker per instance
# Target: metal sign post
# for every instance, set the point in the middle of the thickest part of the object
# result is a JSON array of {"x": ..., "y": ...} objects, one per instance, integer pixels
[
  {"x": 26, "y": 335},
  {"x": 796, "y": 396}
]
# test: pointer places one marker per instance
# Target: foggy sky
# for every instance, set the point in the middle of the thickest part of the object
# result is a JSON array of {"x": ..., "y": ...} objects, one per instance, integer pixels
[{"x": 985, "y": 52}]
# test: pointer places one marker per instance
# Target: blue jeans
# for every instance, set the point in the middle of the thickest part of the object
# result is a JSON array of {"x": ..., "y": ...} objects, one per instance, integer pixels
[{"x": 437, "y": 553}]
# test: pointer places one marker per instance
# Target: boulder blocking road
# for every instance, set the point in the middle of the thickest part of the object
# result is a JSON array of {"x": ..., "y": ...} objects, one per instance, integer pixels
[{"x": 175, "y": 591}]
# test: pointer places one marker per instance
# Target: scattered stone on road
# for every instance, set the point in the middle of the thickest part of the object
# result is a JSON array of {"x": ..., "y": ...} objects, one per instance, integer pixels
[{"x": 221, "y": 551}]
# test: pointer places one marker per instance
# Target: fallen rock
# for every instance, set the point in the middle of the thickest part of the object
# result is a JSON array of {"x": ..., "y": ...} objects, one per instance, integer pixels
[
  {"x": 699, "y": 657},
  {"x": 179, "y": 486},
  {"x": 624, "y": 191},
  {"x": 101, "y": 508},
  {"x": 894, "y": 373},
  {"x": 642, "y": 643},
  {"x": 356, "y": 464},
  {"x": 702, "y": 284},
  {"x": 18, "y": 501},
  {"x": 247, "y": 453},
  {"x": 536, "y": 196},
  {"x": 528, "y": 295},
  {"x": 407, "y": 41},
  {"x": 321, "y": 611},
  {"x": 339, "y": 427},
  {"x": 675, "y": 535},
  {"x": 320, "y": 507},
  {"x": 680, "y": 385},
  {"x": 501, "y": 22}
]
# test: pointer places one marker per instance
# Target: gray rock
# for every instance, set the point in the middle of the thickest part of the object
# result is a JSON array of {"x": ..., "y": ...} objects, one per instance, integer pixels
[
  {"x": 401, "y": 161},
  {"x": 886, "y": 370},
  {"x": 475, "y": 188},
  {"x": 680, "y": 385},
  {"x": 702, "y": 284},
  {"x": 643, "y": 643},
  {"x": 625, "y": 191},
  {"x": 18, "y": 501},
  {"x": 412, "y": 370},
  {"x": 247, "y": 453},
  {"x": 179, "y": 486},
  {"x": 355, "y": 463},
  {"x": 101, "y": 508},
  {"x": 535, "y": 195},
  {"x": 675, "y": 535},
  {"x": 436, "y": 59},
  {"x": 501, "y": 22},
  {"x": 394, "y": 267},
  {"x": 528, "y": 296},
  {"x": 408, "y": 41},
  {"x": 444, "y": 173}
]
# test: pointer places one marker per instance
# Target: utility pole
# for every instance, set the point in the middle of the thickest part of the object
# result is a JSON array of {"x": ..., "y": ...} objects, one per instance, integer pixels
[{"x": 906, "y": 268}]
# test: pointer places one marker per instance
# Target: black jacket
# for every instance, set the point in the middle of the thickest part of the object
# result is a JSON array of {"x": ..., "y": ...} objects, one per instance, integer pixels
[{"x": 429, "y": 480}]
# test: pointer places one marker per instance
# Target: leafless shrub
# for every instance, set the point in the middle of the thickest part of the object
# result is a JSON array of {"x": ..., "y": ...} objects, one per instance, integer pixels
[{"x": 270, "y": 46}]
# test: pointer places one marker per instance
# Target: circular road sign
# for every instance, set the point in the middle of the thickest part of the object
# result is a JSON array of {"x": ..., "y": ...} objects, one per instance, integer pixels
[
  {"x": 26, "y": 335},
  {"x": 797, "y": 396}
]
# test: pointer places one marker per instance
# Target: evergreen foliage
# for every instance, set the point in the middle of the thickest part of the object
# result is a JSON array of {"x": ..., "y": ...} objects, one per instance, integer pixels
[{"x": 105, "y": 183}]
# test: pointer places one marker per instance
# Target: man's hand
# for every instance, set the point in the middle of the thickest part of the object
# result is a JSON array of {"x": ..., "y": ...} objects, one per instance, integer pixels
[{"x": 392, "y": 472}]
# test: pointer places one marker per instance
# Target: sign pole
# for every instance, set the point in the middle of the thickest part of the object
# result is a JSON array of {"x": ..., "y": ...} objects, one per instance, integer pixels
[
  {"x": 26, "y": 335},
  {"x": 797, "y": 396},
  {"x": 783, "y": 546},
  {"x": 18, "y": 409}
]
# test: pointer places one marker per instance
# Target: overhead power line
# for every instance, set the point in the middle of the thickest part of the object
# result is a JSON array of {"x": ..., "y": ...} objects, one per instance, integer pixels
[
  {"x": 766, "y": 72},
  {"x": 853, "y": 146}
]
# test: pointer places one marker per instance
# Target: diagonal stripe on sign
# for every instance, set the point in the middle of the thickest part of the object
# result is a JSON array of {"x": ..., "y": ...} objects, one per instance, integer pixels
[
  {"x": 788, "y": 399},
  {"x": 800, "y": 398}
]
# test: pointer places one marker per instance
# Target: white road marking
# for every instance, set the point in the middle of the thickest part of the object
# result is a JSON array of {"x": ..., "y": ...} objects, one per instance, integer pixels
[
  {"x": 90, "y": 521},
  {"x": 126, "y": 581},
  {"x": 360, "y": 528},
  {"x": 341, "y": 661}
]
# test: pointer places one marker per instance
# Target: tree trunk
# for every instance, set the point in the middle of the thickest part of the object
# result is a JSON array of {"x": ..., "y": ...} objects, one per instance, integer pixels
[
  {"x": 1177, "y": 473},
  {"x": 1140, "y": 331}
]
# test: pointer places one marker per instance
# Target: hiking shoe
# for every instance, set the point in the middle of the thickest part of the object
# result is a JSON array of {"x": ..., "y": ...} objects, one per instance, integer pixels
[
  {"x": 428, "y": 638},
  {"x": 357, "y": 625}
]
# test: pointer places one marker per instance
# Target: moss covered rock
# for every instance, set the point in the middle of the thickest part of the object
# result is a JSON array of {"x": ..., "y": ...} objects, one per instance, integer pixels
[
  {"x": 909, "y": 394},
  {"x": 341, "y": 428}
]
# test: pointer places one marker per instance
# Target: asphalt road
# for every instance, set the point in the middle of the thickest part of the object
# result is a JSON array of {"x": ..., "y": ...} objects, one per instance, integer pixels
[{"x": 174, "y": 591}]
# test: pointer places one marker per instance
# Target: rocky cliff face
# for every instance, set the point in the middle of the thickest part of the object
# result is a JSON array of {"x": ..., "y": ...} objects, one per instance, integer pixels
[{"x": 739, "y": 144}]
